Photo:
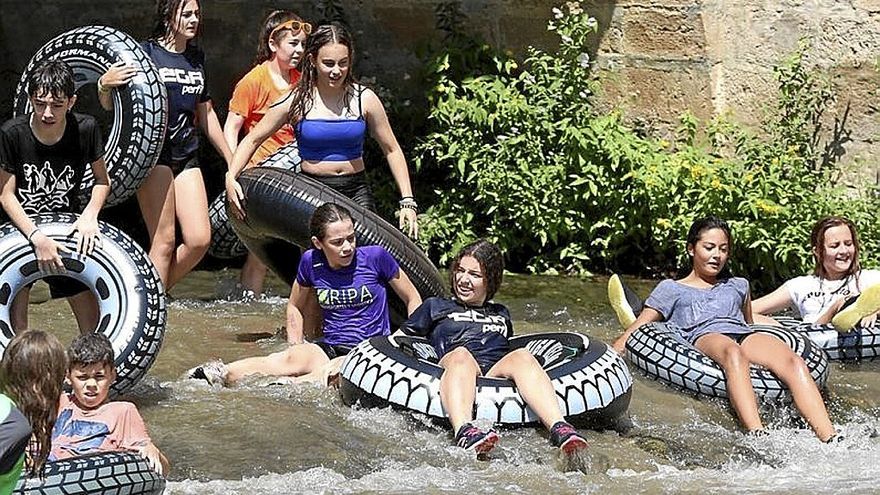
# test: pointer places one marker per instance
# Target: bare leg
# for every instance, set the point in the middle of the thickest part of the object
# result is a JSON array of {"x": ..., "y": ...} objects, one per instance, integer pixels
[
  {"x": 776, "y": 356},
  {"x": 765, "y": 320},
  {"x": 19, "y": 311},
  {"x": 191, "y": 207},
  {"x": 458, "y": 386},
  {"x": 85, "y": 309},
  {"x": 156, "y": 199},
  {"x": 532, "y": 382},
  {"x": 253, "y": 274},
  {"x": 729, "y": 355},
  {"x": 296, "y": 360}
]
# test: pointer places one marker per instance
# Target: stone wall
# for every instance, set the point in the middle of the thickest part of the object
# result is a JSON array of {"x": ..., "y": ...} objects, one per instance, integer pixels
[{"x": 662, "y": 56}]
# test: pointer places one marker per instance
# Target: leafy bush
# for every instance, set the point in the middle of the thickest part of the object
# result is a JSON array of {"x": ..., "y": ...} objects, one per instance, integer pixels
[{"x": 529, "y": 162}]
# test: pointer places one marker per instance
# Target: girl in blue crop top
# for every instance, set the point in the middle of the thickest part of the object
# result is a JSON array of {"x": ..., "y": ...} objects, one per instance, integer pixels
[{"x": 330, "y": 114}]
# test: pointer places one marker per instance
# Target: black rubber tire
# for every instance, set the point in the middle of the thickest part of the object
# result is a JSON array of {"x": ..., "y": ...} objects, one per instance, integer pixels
[
  {"x": 139, "y": 108},
  {"x": 657, "y": 350},
  {"x": 278, "y": 204},
  {"x": 225, "y": 244},
  {"x": 131, "y": 297},
  {"x": 118, "y": 473},
  {"x": 592, "y": 382},
  {"x": 859, "y": 343}
]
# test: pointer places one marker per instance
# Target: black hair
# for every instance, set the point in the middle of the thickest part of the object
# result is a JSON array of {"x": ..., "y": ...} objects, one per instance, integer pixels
[
  {"x": 53, "y": 77},
  {"x": 324, "y": 215},
  {"x": 273, "y": 20},
  {"x": 90, "y": 348},
  {"x": 708, "y": 223},
  {"x": 304, "y": 95},
  {"x": 491, "y": 262},
  {"x": 163, "y": 19}
]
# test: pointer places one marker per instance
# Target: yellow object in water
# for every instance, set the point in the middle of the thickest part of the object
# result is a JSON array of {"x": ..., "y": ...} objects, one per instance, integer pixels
[
  {"x": 619, "y": 303},
  {"x": 868, "y": 302}
]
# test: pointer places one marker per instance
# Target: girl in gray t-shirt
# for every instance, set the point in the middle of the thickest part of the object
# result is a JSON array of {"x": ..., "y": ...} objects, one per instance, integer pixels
[{"x": 712, "y": 310}]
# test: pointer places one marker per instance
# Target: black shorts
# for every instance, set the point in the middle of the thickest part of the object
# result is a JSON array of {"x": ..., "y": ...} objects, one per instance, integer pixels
[
  {"x": 179, "y": 166},
  {"x": 60, "y": 286},
  {"x": 737, "y": 337},
  {"x": 333, "y": 351},
  {"x": 352, "y": 186}
]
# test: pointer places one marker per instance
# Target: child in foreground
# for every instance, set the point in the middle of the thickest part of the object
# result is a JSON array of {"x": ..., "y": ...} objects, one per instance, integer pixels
[
  {"x": 87, "y": 421},
  {"x": 31, "y": 372}
]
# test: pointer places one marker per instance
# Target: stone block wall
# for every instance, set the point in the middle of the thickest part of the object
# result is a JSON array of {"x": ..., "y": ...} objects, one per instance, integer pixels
[{"x": 662, "y": 57}]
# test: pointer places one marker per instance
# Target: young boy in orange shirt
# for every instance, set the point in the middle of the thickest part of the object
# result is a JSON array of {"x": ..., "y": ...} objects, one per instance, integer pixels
[{"x": 87, "y": 421}]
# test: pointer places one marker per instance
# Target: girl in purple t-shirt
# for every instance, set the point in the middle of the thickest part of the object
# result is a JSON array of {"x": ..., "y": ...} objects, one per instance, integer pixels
[
  {"x": 348, "y": 283},
  {"x": 712, "y": 310}
]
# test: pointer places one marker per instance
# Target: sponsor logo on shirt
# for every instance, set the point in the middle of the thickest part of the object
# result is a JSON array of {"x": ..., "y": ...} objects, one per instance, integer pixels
[
  {"x": 352, "y": 297},
  {"x": 193, "y": 81},
  {"x": 43, "y": 190},
  {"x": 491, "y": 323}
]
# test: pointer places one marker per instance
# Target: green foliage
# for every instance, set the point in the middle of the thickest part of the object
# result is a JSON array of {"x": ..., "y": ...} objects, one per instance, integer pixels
[{"x": 528, "y": 161}]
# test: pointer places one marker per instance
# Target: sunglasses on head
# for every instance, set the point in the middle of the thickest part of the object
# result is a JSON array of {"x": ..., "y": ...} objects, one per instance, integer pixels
[{"x": 294, "y": 25}]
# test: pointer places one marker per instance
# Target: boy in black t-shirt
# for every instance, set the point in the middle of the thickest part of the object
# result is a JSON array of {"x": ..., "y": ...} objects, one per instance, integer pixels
[{"x": 43, "y": 156}]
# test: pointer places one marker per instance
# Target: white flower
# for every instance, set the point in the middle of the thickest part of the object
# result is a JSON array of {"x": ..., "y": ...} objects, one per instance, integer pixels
[
  {"x": 556, "y": 12},
  {"x": 566, "y": 39},
  {"x": 592, "y": 23},
  {"x": 584, "y": 60}
]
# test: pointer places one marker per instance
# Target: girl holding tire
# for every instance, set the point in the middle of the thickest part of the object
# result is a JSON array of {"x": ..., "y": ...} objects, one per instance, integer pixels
[
  {"x": 331, "y": 114},
  {"x": 282, "y": 38},
  {"x": 175, "y": 189}
]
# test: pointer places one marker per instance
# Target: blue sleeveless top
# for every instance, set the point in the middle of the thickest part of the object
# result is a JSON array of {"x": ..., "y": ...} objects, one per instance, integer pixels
[{"x": 332, "y": 140}]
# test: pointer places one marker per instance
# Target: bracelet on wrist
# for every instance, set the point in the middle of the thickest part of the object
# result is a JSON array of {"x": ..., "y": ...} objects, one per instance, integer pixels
[
  {"x": 31, "y": 235},
  {"x": 409, "y": 203},
  {"x": 101, "y": 88}
]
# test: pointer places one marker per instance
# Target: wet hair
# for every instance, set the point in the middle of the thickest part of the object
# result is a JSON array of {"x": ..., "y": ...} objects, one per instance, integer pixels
[
  {"x": 88, "y": 349},
  {"x": 708, "y": 223},
  {"x": 53, "y": 77},
  {"x": 163, "y": 19},
  {"x": 817, "y": 244},
  {"x": 491, "y": 263},
  {"x": 31, "y": 373},
  {"x": 303, "y": 98},
  {"x": 273, "y": 20},
  {"x": 324, "y": 215}
]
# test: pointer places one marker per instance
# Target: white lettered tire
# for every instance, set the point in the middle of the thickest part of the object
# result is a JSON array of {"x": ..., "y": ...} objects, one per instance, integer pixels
[
  {"x": 592, "y": 382},
  {"x": 139, "y": 108},
  {"x": 131, "y": 297},
  {"x": 122, "y": 473},
  {"x": 225, "y": 243},
  {"x": 661, "y": 354}
]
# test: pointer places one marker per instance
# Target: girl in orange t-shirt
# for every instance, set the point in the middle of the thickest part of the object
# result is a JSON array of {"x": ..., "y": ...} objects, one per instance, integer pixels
[{"x": 282, "y": 38}]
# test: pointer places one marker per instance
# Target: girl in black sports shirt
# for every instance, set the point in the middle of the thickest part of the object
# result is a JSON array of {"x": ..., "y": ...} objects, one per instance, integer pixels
[
  {"x": 175, "y": 188},
  {"x": 470, "y": 336}
]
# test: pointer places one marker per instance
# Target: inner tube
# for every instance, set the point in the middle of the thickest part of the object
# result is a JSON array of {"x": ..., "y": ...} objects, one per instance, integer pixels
[
  {"x": 592, "y": 382},
  {"x": 139, "y": 108},
  {"x": 106, "y": 473},
  {"x": 278, "y": 204},
  {"x": 859, "y": 343},
  {"x": 131, "y": 297},
  {"x": 662, "y": 354},
  {"x": 225, "y": 244}
]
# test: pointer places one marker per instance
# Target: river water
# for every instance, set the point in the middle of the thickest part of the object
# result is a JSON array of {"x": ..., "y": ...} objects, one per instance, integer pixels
[{"x": 263, "y": 439}]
